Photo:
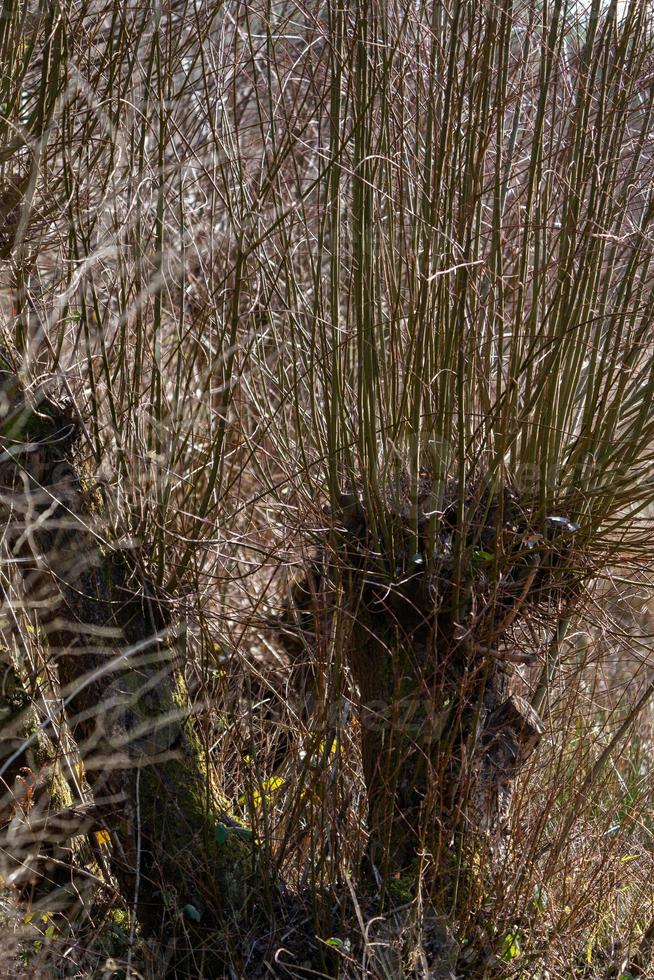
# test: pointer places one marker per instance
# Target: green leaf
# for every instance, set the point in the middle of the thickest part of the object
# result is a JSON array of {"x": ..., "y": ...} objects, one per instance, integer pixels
[
  {"x": 511, "y": 946},
  {"x": 540, "y": 898},
  {"x": 192, "y": 913},
  {"x": 243, "y": 832},
  {"x": 333, "y": 941},
  {"x": 481, "y": 557}
]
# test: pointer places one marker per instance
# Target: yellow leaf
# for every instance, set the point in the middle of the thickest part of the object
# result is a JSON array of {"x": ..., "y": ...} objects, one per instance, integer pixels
[
  {"x": 269, "y": 786},
  {"x": 103, "y": 837}
]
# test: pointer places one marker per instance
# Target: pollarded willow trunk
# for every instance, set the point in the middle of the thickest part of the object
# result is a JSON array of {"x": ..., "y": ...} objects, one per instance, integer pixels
[
  {"x": 443, "y": 737},
  {"x": 111, "y": 642},
  {"x": 444, "y": 734}
]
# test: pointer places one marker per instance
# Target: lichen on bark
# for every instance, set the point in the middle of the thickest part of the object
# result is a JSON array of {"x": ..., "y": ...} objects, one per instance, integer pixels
[{"x": 113, "y": 642}]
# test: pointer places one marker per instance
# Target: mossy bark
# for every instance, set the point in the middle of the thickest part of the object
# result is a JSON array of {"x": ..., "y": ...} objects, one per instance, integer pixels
[
  {"x": 442, "y": 742},
  {"x": 443, "y": 735},
  {"x": 38, "y": 816},
  {"x": 17, "y": 725},
  {"x": 115, "y": 652}
]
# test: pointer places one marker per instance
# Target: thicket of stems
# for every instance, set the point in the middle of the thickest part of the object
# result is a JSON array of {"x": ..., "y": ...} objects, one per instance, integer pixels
[{"x": 289, "y": 258}]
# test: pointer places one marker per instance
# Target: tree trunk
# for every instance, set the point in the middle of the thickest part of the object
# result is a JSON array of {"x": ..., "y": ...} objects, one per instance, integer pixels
[
  {"x": 444, "y": 736},
  {"x": 111, "y": 640}
]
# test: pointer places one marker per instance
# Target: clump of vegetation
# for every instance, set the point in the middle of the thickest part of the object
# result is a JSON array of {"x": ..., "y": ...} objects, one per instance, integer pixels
[{"x": 326, "y": 393}]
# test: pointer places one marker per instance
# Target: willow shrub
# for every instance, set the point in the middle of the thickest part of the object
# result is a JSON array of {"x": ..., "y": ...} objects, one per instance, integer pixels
[{"x": 315, "y": 268}]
